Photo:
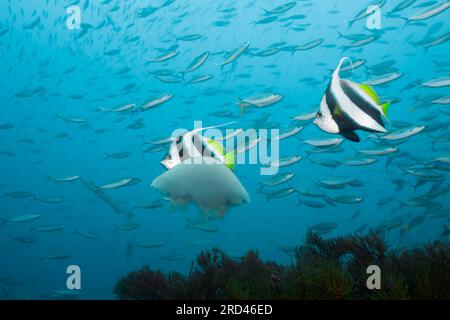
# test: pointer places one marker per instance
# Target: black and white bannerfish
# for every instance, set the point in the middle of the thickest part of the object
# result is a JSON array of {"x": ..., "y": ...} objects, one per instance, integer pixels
[
  {"x": 348, "y": 106},
  {"x": 192, "y": 145}
]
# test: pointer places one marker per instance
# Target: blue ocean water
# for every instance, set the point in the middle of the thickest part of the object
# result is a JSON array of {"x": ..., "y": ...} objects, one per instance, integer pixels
[{"x": 56, "y": 77}]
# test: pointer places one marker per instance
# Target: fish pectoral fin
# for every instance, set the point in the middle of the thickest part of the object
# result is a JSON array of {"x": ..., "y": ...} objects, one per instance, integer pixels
[
  {"x": 350, "y": 135},
  {"x": 369, "y": 90},
  {"x": 337, "y": 111}
]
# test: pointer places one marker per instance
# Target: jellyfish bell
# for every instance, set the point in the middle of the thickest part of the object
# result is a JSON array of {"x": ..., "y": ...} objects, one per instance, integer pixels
[{"x": 206, "y": 182}]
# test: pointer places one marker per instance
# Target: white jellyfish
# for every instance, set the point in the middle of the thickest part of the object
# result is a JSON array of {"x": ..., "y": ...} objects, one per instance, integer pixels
[{"x": 210, "y": 184}]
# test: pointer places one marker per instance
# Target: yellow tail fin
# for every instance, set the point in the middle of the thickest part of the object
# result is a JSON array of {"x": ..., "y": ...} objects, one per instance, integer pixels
[{"x": 385, "y": 107}]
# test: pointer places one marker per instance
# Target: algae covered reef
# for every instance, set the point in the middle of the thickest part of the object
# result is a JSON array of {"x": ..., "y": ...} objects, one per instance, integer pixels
[{"x": 320, "y": 268}]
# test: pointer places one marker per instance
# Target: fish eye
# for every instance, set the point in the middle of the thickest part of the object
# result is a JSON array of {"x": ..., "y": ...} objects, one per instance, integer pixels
[{"x": 319, "y": 114}]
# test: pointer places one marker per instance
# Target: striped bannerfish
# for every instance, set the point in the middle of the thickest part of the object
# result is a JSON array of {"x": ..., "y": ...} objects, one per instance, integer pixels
[
  {"x": 197, "y": 62},
  {"x": 348, "y": 106},
  {"x": 191, "y": 145}
]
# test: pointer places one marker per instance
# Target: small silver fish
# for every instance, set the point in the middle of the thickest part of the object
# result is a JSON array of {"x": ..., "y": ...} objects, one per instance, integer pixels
[
  {"x": 156, "y": 102},
  {"x": 23, "y": 218},
  {"x": 120, "y": 183}
]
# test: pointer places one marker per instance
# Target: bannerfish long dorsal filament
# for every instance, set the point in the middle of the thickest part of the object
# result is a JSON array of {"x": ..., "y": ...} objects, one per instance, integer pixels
[{"x": 348, "y": 106}]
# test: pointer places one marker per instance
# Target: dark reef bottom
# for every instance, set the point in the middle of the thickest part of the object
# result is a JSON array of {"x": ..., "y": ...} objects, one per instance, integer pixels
[{"x": 320, "y": 269}]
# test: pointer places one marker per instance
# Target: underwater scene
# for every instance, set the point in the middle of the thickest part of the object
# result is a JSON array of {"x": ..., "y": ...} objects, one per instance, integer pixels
[{"x": 203, "y": 149}]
